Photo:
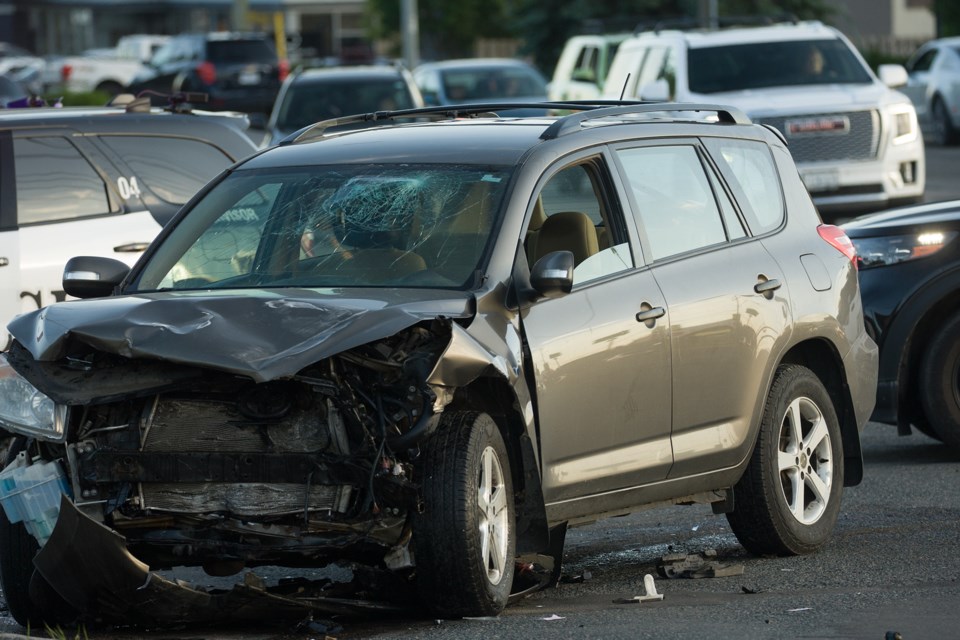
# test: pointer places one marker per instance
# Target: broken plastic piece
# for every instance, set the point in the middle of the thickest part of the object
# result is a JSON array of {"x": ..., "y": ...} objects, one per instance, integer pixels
[
  {"x": 650, "y": 590},
  {"x": 679, "y": 565}
]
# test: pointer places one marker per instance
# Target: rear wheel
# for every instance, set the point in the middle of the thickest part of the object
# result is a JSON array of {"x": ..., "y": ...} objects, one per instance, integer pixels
[
  {"x": 465, "y": 538},
  {"x": 788, "y": 499},
  {"x": 940, "y": 383},
  {"x": 943, "y": 131}
]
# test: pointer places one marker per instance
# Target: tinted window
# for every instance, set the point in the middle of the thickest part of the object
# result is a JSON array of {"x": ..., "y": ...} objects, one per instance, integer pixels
[
  {"x": 673, "y": 197},
  {"x": 312, "y": 101},
  {"x": 172, "y": 168},
  {"x": 492, "y": 82},
  {"x": 924, "y": 62},
  {"x": 228, "y": 51},
  {"x": 749, "y": 166},
  {"x": 55, "y": 182},
  {"x": 773, "y": 64}
]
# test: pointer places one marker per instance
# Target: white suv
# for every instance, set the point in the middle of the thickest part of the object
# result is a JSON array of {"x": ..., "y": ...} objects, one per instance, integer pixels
[{"x": 855, "y": 140}]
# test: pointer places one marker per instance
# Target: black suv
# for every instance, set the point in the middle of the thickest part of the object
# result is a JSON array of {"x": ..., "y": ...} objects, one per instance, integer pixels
[
  {"x": 238, "y": 71},
  {"x": 910, "y": 281},
  {"x": 425, "y": 349},
  {"x": 101, "y": 181}
]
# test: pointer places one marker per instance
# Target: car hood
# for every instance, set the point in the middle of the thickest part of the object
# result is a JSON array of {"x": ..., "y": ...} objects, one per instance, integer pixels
[
  {"x": 778, "y": 101},
  {"x": 946, "y": 214},
  {"x": 257, "y": 333}
]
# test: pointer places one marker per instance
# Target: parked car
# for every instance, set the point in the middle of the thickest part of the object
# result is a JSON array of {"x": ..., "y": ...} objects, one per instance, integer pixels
[
  {"x": 423, "y": 350},
  {"x": 910, "y": 280},
  {"x": 110, "y": 71},
  {"x": 476, "y": 80},
  {"x": 11, "y": 90},
  {"x": 98, "y": 180},
  {"x": 855, "y": 140},
  {"x": 583, "y": 66},
  {"x": 237, "y": 71},
  {"x": 312, "y": 95},
  {"x": 19, "y": 64},
  {"x": 934, "y": 88}
]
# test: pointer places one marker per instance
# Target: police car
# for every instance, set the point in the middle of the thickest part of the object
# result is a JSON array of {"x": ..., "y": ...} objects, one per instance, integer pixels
[{"x": 96, "y": 181}]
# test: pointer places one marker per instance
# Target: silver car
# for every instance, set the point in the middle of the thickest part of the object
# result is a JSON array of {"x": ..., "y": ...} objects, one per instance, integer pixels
[
  {"x": 934, "y": 88},
  {"x": 423, "y": 350}
]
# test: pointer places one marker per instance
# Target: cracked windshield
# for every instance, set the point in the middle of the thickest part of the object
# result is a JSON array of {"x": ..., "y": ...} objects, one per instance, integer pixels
[{"x": 380, "y": 225}]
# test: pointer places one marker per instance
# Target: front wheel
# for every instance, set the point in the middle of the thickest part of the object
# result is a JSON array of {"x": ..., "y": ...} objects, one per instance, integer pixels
[
  {"x": 788, "y": 499},
  {"x": 464, "y": 538},
  {"x": 940, "y": 383}
]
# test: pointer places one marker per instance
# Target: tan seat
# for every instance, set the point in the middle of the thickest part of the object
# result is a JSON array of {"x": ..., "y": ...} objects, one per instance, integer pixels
[
  {"x": 537, "y": 219},
  {"x": 570, "y": 231}
]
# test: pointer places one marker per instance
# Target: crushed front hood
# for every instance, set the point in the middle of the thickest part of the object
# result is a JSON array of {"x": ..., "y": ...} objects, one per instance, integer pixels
[{"x": 256, "y": 333}]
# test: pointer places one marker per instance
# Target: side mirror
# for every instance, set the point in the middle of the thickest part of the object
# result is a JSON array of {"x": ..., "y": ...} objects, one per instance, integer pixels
[
  {"x": 93, "y": 276},
  {"x": 552, "y": 275},
  {"x": 892, "y": 75},
  {"x": 257, "y": 120},
  {"x": 656, "y": 91}
]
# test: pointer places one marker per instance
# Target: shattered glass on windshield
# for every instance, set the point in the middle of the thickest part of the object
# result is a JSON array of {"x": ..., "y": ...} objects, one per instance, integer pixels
[{"x": 364, "y": 226}]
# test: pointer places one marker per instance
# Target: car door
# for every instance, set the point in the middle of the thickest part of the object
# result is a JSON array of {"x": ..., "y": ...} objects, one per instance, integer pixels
[
  {"x": 68, "y": 205},
  {"x": 918, "y": 81},
  {"x": 725, "y": 296},
  {"x": 9, "y": 239},
  {"x": 600, "y": 354}
]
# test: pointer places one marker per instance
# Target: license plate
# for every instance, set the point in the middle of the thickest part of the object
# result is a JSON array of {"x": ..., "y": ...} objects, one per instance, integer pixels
[
  {"x": 824, "y": 180},
  {"x": 249, "y": 77}
]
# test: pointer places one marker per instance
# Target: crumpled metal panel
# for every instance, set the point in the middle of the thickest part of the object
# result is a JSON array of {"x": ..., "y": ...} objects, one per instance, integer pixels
[
  {"x": 89, "y": 566},
  {"x": 260, "y": 334}
]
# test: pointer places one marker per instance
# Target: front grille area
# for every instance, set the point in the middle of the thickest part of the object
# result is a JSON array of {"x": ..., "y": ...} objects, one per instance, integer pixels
[{"x": 859, "y": 142}]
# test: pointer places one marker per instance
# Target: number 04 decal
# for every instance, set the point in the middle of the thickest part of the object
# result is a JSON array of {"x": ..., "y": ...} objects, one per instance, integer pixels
[{"x": 128, "y": 187}]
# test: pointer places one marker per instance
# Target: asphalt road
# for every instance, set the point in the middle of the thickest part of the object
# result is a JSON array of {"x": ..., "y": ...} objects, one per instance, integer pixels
[{"x": 892, "y": 565}]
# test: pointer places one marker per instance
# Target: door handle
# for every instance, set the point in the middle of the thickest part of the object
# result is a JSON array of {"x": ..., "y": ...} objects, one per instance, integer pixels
[
  {"x": 767, "y": 286},
  {"x": 131, "y": 247},
  {"x": 4, "y": 262},
  {"x": 650, "y": 313}
]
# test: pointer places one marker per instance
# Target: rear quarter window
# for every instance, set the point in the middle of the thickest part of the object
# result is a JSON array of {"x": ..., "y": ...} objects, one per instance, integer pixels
[
  {"x": 748, "y": 167},
  {"x": 173, "y": 169}
]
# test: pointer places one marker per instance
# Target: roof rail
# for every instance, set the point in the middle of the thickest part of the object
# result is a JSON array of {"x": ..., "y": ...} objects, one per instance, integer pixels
[
  {"x": 568, "y": 124},
  {"x": 587, "y": 109},
  {"x": 723, "y": 22}
]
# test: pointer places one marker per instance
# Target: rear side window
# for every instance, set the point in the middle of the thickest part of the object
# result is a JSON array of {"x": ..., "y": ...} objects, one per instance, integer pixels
[
  {"x": 56, "y": 182},
  {"x": 229, "y": 51},
  {"x": 309, "y": 102},
  {"x": 674, "y": 199},
  {"x": 748, "y": 167},
  {"x": 172, "y": 168}
]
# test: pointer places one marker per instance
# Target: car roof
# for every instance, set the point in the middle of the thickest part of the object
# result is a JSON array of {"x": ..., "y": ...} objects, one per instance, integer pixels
[
  {"x": 475, "y": 63},
  {"x": 462, "y": 139},
  {"x": 33, "y": 116},
  {"x": 808, "y": 30},
  {"x": 363, "y": 71}
]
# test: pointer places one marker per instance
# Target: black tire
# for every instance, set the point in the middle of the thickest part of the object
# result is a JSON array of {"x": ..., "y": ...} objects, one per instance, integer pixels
[
  {"x": 763, "y": 519},
  {"x": 17, "y": 549},
  {"x": 457, "y": 575},
  {"x": 940, "y": 383},
  {"x": 944, "y": 132}
]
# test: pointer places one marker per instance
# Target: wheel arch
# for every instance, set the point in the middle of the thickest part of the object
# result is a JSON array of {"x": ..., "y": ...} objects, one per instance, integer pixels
[
  {"x": 906, "y": 340},
  {"x": 822, "y": 358},
  {"x": 495, "y": 397}
]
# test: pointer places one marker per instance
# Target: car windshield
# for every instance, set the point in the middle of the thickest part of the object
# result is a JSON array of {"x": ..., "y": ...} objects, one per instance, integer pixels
[
  {"x": 308, "y": 102},
  {"x": 761, "y": 65},
  {"x": 482, "y": 83},
  {"x": 334, "y": 226},
  {"x": 240, "y": 51}
]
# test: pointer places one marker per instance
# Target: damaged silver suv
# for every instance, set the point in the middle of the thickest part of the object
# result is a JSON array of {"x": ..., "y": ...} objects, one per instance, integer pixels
[{"x": 422, "y": 350}]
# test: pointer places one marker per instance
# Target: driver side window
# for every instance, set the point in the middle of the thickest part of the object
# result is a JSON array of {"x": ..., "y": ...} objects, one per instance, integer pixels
[{"x": 571, "y": 214}]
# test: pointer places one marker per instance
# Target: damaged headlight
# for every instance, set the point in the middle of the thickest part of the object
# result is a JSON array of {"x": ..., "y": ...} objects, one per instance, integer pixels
[{"x": 24, "y": 410}]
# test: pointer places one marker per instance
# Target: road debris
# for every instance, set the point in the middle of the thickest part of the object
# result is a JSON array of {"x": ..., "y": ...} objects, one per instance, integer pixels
[
  {"x": 577, "y": 579},
  {"x": 553, "y": 617},
  {"x": 695, "y": 565},
  {"x": 650, "y": 592}
]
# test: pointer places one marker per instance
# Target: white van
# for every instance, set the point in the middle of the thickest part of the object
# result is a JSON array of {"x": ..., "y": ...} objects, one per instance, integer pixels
[
  {"x": 583, "y": 66},
  {"x": 855, "y": 140}
]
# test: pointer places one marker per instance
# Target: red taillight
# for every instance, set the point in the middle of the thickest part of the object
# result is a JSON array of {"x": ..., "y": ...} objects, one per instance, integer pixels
[
  {"x": 65, "y": 72},
  {"x": 838, "y": 239},
  {"x": 207, "y": 73},
  {"x": 283, "y": 70}
]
